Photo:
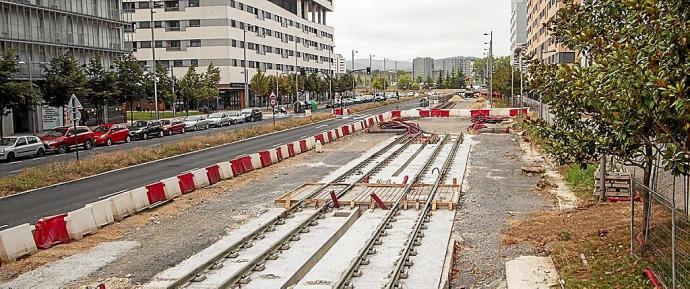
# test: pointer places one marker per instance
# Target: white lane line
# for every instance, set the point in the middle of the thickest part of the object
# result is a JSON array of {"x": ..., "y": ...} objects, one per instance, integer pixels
[
  {"x": 304, "y": 136},
  {"x": 110, "y": 195},
  {"x": 15, "y": 171},
  {"x": 4, "y": 226},
  {"x": 277, "y": 145},
  {"x": 16, "y": 162},
  {"x": 321, "y": 126}
]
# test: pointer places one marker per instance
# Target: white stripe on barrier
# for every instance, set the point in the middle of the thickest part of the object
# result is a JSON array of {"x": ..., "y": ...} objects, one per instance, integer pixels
[
  {"x": 256, "y": 161},
  {"x": 225, "y": 170},
  {"x": 296, "y": 146},
  {"x": 285, "y": 152},
  {"x": 122, "y": 205},
  {"x": 172, "y": 187},
  {"x": 274, "y": 156},
  {"x": 102, "y": 212},
  {"x": 139, "y": 198},
  {"x": 16, "y": 242},
  {"x": 80, "y": 222},
  {"x": 200, "y": 178}
]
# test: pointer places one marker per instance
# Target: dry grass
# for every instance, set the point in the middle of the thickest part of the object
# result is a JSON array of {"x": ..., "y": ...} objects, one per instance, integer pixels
[{"x": 55, "y": 172}]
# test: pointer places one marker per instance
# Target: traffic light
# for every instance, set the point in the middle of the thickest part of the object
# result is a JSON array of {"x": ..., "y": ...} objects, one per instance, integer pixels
[{"x": 368, "y": 70}]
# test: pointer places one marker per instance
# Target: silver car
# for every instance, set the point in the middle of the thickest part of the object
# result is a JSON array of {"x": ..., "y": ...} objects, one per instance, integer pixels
[
  {"x": 194, "y": 123},
  {"x": 219, "y": 119},
  {"x": 236, "y": 117},
  {"x": 15, "y": 147}
]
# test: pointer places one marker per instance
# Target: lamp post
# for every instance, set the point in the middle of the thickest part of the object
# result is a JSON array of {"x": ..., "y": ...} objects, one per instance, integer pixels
[
  {"x": 296, "y": 71},
  {"x": 384, "y": 80},
  {"x": 244, "y": 65},
  {"x": 153, "y": 54},
  {"x": 353, "y": 69},
  {"x": 371, "y": 84},
  {"x": 490, "y": 63}
]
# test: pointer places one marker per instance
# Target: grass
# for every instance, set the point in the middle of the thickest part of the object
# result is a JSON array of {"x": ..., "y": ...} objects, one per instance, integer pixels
[
  {"x": 55, "y": 172},
  {"x": 151, "y": 115},
  {"x": 580, "y": 180}
]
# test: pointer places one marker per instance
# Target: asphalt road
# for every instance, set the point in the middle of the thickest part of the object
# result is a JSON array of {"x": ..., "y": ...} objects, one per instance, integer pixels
[
  {"x": 11, "y": 168},
  {"x": 29, "y": 207}
]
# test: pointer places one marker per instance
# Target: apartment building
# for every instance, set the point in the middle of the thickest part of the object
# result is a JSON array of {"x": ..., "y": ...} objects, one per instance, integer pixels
[
  {"x": 422, "y": 67},
  {"x": 457, "y": 63},
  {"x": 278, "y": 37},
  {"x": 339, "y": 62},
  {"x": 518, "y": 30},
  {"x": 39, "y": 30},
  {"x": 539, "y": 42}
]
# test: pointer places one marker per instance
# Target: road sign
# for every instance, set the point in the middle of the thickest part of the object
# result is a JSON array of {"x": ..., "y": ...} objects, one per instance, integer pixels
[
  {"x": 273, "y": 102},
  {"x": 273, "y": 96},
  {"x": 74, "y": 103}
]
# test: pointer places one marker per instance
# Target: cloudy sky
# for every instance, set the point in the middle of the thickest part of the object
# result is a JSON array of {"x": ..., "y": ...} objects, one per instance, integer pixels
[{"x": 405, "y": 29}]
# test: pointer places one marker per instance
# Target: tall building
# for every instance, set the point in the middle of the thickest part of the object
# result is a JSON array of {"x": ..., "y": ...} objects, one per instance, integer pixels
[
  {"x": 282, "y": 36},
  {"x": 40, "y": 30},
  {"x": 539, "y": 42},
  {"x": 518, "y": 29},
  {"x": 458, "y": 63},
  {"x": 339, "y": 64},
  {"x": 422, "y": 67}
]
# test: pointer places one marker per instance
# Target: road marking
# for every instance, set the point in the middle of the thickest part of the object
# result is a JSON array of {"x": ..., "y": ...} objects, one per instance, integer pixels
[
  {"x": 16, "y": 162},
  {"x": 304, "y": 136},
  {"x": 15, "y": 171},
  {"x": 4, "y": 226},
  {"x": 322, "y": 126},
  {"x": 110, "y": 195},
  {"x": 277, "y": 145}
]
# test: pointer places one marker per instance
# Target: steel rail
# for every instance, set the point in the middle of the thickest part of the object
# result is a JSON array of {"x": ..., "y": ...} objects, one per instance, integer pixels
[
  {"x": 353, "y": 270},
  {"x": 424, "y": 217},
  {"x": 269, "y": 226}
]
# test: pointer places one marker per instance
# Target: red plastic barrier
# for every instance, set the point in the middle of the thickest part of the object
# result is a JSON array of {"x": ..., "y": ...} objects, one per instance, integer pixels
[
  {"x": 380, "y": 117},
  {"x": 652, "y": 278},
  {"x": 279, "y": 154},
  {"x": 330, "y": 136},
  {"x": 346, "y": 130},
  {"x": 516, "y": 111},
  {"x": 624, "y": 199},
  {"x": 444, "y": 113},
  {"x": 303, "y": 145},
  {"x": 213, "y": 174},
  {"x": 337, "y": 133},
  {"x": 435, "y": 113},
  {"x": 395, "y": 114},
  {"x": 186, "y": 183},
  {"x": 336, "y": 203},
  {"x": 247, "y": 164},
  {"x": 237, "y": 167},
  {"x": 265, "y": 159},
  {"x": 155, "y": 193},
  {"x": 291, "y": 149},
  {"x": 371, "y": 121},
  {"x": 480, "y": 112},
  {"x": 51, "y": 231},
  {"x": 319, "y": 138},
  {"x": 378, "y": 201},
  {"x": 338, "y": 111},
  {"x": 424, "y": 113}
]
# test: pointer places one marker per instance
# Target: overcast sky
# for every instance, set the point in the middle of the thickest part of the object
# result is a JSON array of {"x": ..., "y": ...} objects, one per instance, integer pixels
[{"x": 405, "y": 29}]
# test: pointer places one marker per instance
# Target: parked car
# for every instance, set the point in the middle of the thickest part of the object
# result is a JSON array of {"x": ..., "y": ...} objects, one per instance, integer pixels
[
  {"x": 218, "y": 119},
  {"x": 410, "y": 94},
  {"x": 236, "y": 117},
  {"x": 194, "y": 123},
  {"x": 15, "y": 147},
  {"x": 380, "y": 97},
  {"x": 145, "y": 129},
  {"x": 393, "y": 95},
  {"x": 62, "y": 139},
  {"x": 172, "y": 126},
  {"x": 252, "y": 114},
  {"x": 331, "y": 103},
  {"x": 108, "y": 134}
]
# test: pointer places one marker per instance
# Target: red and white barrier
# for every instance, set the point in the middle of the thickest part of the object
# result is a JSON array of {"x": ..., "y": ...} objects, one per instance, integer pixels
[
  {"x": 140, "y": 198},
  {"x": 186, "y": 182},
  {"x": 256, "y": 160},
  {"x": 213, "y": 174},
  {"x": 503, "y": 112},
  {"x": 102, "y": 212},
  {"x": 274, "y": 156},
  {"x": 16, "y": 242},
  {"x": 172, "y": 187},
  {"x": 225, "y": 170},
  {"x": 80, "y": 223},
  {"x": 50, "y": 231},
  {"x": 156, "y": 193},
  {"x": 200, "y": 178},
  {"x": 122, "y": 206}
]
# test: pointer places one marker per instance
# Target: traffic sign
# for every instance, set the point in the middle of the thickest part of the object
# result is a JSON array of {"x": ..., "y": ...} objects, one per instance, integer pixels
[
  {"x": 273, "y": 96},
  {"x": 74, "y": 103},
  {"x": 273, "y": 102}
]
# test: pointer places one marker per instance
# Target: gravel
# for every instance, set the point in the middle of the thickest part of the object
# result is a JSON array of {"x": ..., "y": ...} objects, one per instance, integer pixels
[{"x": 497, "y": 192}]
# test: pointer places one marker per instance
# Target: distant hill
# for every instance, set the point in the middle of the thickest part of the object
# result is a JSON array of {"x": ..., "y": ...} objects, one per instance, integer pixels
[{"x": 377, "y": 64}]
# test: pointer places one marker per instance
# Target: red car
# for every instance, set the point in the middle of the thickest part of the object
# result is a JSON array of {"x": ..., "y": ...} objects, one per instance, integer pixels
[
  {"x": 172, "y": 126},
  {"x": 107, "y": 134},
  {"x": 62, "y": 139}
]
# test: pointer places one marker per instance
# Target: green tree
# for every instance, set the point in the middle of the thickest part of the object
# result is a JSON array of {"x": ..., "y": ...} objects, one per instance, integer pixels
[
  {"x": 63, "y": 77},
  {"x": 101, "y": 86},
  {"x": 439, "y": 82},
  {"x": 429, "y": 83},
  {"x": 405, "y": 81},
  {"x": 379, "y": 82},
  {"x": 210, "y": 81},
  {"x": 260, "y": 85},
  {"x": 165, "y": 85},
  {"x": 191, "y": 87},
  {"x": 130, "y": 81},
  {"x": 14, "y": 95}
]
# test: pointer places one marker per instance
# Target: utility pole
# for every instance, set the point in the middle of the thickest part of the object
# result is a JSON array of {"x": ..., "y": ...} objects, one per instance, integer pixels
[
  {"x": 246, "y": 76},
  {"x": 330, "y": 74},
  {"x": 353, "y": 76},
  {"x": 153, "y": 54},
  {"x": 491, "y": 69},
  {"x": 296, "y": 71},
  {"x": 384, "y": 80},
  {"x": 371, "y": 84},
  {"x": 396, "y": 78},
  {"x": 512, "y": 81}
]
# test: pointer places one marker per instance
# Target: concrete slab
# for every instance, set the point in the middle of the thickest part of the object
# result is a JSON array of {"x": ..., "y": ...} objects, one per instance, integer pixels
[
  {"x": 334, "y": 264},
  {"x": 371, "y": 165},
  {"x": 427, "y": 271},
  {"x": 293, "y": 264},
  {"x": 531, "y": 272},
  {"x": 161, "y": 280},
  {"x": 418, "y": 163},
  {"x": 459, "y": 166},
  {"x": 386, "y": 174},
  {"x": 353, "y": 163},
  {"x": 375, "y": 275}
]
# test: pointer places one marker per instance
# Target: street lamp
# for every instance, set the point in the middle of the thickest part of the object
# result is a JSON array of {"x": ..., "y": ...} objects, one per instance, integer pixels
[
  {"x": 371, "y": 82},
  {"x": 490, "y": 63},
  {"x": 244, "y": 66},
  {"x": 153, "y": 54},
  {"x": 353, "y": 69}
]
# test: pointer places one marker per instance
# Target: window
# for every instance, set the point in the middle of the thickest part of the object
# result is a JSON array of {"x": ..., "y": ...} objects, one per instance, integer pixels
[
  {"x": 234, "y": 43},
  {"x": 21, "y": 141},
  {"x": 157, "y": 24},
  {"x": 195, "y": 23},
  {"x": 145, "y": 44},
  {"x": 32, "y": 140},
  {"x": 193, "y": 3},
  {"x": 145, "y": 24},
  {"x": 194, "y": 62},
  {"x": 195, "y": 43},
  {"x": 234, "y": 62},
  {"x": 159, "y": 44},
  {"x": 144, "y": 5},
  {"x": 177, "y": 63}
]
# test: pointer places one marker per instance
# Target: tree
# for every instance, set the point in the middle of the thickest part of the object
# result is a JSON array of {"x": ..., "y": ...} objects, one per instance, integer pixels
[
  {"x": 165, "y": 85},
  {"x": 13, "y": 94},
  {"x": 479, "y": 69},
  {"x": 260, "y": 85},
  {"x": 439, "y": 83},
  {"x": 210, "y": 81},
  {"x": 101, "y": 86},
  {"x": 130, "y": 81},
  {"x": 63, "y": 77},
  {"x": 379, "y": 82},
  {"x": 191, "y": 87},
  {"x": 631, "y": 101},
  {"x": 405, "y": 81},
  {"x": 428, "y": 84}
]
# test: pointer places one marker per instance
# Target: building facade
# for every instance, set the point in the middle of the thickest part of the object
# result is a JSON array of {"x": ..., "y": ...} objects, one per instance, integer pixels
[
  {"x": 39, "y": 30},
  {"x": 539, "y": 43},
  {"x": 275, "y": 37},
  {"x": 518, "y": 30},
  {"x": 453, "y": 64},
  {"x": 422, "y": 67},
  {"x": 340, "y": 66}
]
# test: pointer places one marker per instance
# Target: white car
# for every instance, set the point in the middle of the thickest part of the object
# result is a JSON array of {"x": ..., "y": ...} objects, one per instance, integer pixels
[
  {"x": 15, "y": 147},
  {"x": 218, "y": 119},
  {"x": 236, "y": 117}
]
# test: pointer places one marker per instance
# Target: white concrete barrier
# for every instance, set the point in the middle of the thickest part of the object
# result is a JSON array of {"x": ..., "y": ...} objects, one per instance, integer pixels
[
  {"x": 80, "y": 222},
  {"x": 411, "y": 113},
  {"x": 325, "y": 138},
  {"x": 122, "y": 205},
  {"x": 319, "y": 147},
  {"x": 285, "y": 152},
  {"x": 256, "y": 161},
  {"x": 200, "y": 178},
  {"x": 16, "y": 242},
  {"x": 387, "y": 116},
  {"x": 225, "y": 169},
  {"x": 274, "y": 156},
  {"x": 297, "y": 147},
  {"x": 140, "y": 198},
  {"x": 172, "y": 188},
  {"x": 102, "y": 212}
]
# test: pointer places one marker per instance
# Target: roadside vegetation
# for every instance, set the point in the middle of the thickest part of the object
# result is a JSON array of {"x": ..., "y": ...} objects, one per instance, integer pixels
[
  {"x": 151, "y": 115},
  {"x": 56, "y": 172}
]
